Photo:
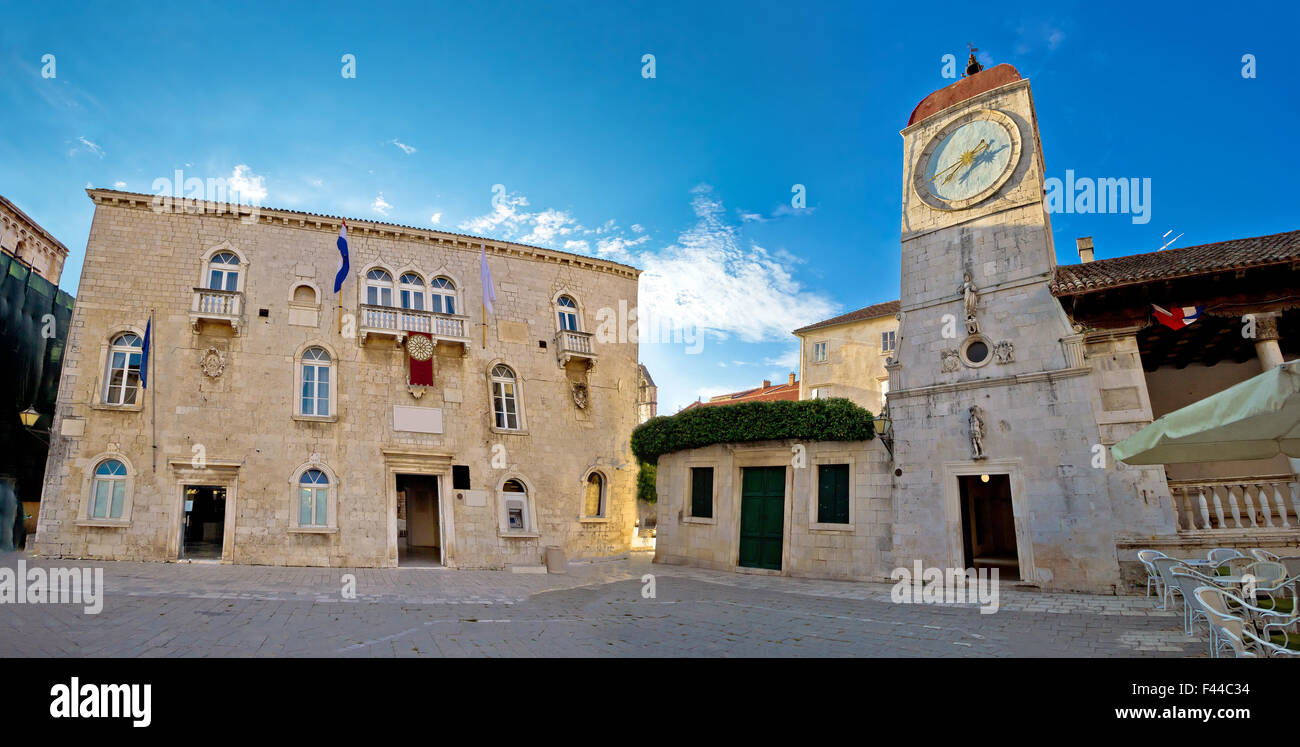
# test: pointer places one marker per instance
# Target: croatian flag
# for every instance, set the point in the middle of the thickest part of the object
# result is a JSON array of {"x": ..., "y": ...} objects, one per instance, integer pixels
[
  {"x": 1179, "y": 317},
  {"x": 343, "y": 258},
  {"x": 144, "y": 353},
  {"x": 485, "y": 275}
]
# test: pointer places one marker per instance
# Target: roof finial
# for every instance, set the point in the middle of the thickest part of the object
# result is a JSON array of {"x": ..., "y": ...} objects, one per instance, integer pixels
[{"x": 973, "y": 65}]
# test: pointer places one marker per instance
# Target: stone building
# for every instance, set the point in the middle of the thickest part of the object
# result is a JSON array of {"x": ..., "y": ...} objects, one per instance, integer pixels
[
  {"x": 278, "y": 428},
  {"x": 1012, "y": 378},
  {"x": 23, "y": 239},
  {"x": 845, "y": 356},
  {"x": 768, "y": 392}
]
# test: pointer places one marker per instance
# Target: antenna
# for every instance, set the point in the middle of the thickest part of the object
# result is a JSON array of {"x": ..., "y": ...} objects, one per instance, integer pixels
[{"x": 1167, "y": 243}]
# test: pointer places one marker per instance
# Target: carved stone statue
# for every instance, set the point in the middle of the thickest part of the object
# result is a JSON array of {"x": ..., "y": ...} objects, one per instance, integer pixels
[
  {"x": 976, "y": 433},
  {"x": 969, "y": 295}
]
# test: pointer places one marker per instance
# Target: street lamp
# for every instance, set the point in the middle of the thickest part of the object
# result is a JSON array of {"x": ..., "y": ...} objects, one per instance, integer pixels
[
  {"x": 885, "y": 430},
  {"x": 29, "y": 416}
]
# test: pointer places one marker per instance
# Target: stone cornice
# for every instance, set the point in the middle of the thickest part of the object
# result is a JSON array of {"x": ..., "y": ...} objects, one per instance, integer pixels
[
  {"x": 356, "y": 227},
  {"x": 1062, "y": 373}
]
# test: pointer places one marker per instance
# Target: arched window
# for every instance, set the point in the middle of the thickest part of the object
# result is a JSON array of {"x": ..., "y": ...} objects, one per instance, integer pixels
[
  {"x": 313, "y": 499},
  {"x": 108, "y": 491},
  {"x": 122, "y": 380},
  {"x": 515, "y": 500},
  {"x": 411, "y": 288},
  {"x": 223, "y": 272},
  {"x": 443, "y": 293},
  {"x": 567, "y": 310},
  {"x": 505, "y": 403},
  {"x": 379, "y": 288},
  {"x": 593, "y": 504},
  {"x": 316, "y": 383}
]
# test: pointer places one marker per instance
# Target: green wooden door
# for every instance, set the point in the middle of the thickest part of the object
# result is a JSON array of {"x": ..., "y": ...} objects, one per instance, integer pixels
[{"x": 762, "y": 516}]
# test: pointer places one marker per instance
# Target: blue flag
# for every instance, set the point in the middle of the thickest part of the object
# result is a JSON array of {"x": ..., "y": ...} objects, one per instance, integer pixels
[
  {"x": 343, "y": 258},
  {"x": 144, "y": 354}
]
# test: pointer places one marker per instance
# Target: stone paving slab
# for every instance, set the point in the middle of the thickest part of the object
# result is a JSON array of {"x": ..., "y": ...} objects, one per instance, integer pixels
[{"x": 195, "y": 610}]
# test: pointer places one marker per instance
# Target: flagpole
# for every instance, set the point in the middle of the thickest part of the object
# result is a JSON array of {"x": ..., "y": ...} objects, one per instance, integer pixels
[
  {"x": 153, "y": 394},
  {"x": 484, "y": 305}
]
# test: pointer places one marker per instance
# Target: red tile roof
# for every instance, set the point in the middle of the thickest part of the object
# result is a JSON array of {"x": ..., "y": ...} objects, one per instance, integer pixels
[
  {"x": 1237, "y": 254},
  {"x": 888, "y": 308},
  {"x": 771, "y": 393},
  {"x": 966, "y": 88}
]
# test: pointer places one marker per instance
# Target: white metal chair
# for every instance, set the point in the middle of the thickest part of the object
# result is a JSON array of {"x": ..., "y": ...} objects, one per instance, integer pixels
[
  {"x": 1220, "y": 554},
  {"x": 1235, "y": 565},
  {"x": 1153, "y": 576},
  {"x": 1269, "y": 633},
  {"x": 1188, "y": 582},
  {"x": 1262, "y": 554},
  {"x": 1225, "y": 627},
  {"x": 1236, "y": 644},
  {"x": 1292, "y": 563},
  {"x": 1168, "y": 586}
]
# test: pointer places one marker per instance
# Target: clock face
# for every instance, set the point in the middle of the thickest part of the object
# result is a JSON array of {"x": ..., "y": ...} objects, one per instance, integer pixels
[{"x": 968, "y": 161}]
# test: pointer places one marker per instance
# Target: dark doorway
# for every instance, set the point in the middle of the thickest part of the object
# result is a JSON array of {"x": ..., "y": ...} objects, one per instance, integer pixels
[
  {"x": 419, "y": 530},
  {"x": 762, "y": 517},
  {"x": 989, "y": 524},
  {"x": 203, "y": 530}
]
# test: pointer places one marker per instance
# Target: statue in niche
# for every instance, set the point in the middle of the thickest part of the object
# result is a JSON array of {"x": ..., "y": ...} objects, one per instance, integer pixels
[{"x": 976, "y": 433}]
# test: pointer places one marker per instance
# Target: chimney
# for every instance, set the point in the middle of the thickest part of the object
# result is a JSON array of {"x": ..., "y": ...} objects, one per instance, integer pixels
[
  {"x": 766, "y": 383},
  {"x": 791, "y": 379},
  {"x": 1085, "y": 249}
]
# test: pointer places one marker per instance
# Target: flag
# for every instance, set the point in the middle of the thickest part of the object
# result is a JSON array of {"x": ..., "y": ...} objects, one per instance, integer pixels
[
  {"x": 144, "y": 354},
  {"x": 343, "y": 258},
  {"x": 419, "y": 351},
  {"x": 485, "y": 275},
  {"x": 1179, "y": 317}
]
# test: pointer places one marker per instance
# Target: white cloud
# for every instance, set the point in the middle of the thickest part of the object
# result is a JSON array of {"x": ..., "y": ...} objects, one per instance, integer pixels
[
  {"x": 119, "y": 185},
  {"x": 380, "y": 206},
  {"x": 436, "y": 218},
  {"x": 87, "y": 146},
  {"x": 709, "y": 280},
  {"x": 638, "y": 228},
  {"x": 788, "y": 360},
  {"x": 407, "y": 149},
  {"x": 246, "y": 186}
]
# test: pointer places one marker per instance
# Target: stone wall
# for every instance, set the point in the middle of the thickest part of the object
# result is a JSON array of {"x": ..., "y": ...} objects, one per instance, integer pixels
[
  {"x": 855, "y": 365},
  {"x": 860, "y": 550},
  {"x": 242, "y": 421}
]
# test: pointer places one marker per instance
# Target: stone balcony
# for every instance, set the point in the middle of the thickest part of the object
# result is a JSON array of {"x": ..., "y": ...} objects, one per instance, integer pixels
[
  {"x": 571, "y": 345},
  {"x": 395, "y": 323},
  {"x": 1244, "y": 505},
  {"x": 217, "y": 307}
]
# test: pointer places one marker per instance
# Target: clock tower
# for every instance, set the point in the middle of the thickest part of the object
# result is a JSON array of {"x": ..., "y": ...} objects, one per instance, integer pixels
[{"x": 990, "y": 396}]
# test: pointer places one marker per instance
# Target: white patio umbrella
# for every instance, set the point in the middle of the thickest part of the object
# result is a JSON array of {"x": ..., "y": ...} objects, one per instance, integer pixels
[{"x": 1258, "y": 418}]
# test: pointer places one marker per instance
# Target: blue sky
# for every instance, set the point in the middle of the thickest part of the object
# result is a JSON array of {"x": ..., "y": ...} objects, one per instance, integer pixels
[{"x": 687, "y": 175}]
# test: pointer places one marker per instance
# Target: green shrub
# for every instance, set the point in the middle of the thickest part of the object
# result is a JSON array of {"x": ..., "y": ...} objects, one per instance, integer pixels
[
  {"x": 645, "y": 483},
  {"x": 806, "y": 420}
]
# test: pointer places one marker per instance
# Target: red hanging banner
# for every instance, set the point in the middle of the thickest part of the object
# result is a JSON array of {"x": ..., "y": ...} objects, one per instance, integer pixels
[{"x": 419, "y": 351}]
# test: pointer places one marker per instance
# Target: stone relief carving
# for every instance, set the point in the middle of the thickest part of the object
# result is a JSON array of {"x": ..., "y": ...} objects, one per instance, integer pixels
[
  {"x": 972, "y": 325},
  {"x": 951, "y": 361},
  {"x": 580, "y": 396},
  {"x": 213, "y": 363},
  {"x": 1004, "y": 351},
  {"x": 976, "y": 433}
]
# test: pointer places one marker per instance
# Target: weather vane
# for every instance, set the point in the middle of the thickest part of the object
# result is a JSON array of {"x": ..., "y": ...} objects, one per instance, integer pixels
[{"x": 972, "y": 65}]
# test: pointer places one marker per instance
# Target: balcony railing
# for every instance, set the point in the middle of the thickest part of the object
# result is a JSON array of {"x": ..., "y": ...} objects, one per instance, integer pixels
[
  {"x": 394, "y": 322},
  {"x": 573, "y": 345},
  {"x": 1236, "y": 504},
  {"x": 220, "y": 306}
]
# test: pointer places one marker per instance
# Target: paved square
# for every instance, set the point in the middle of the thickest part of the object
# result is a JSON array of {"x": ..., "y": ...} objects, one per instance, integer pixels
[{"x": 598, "y": 609}]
